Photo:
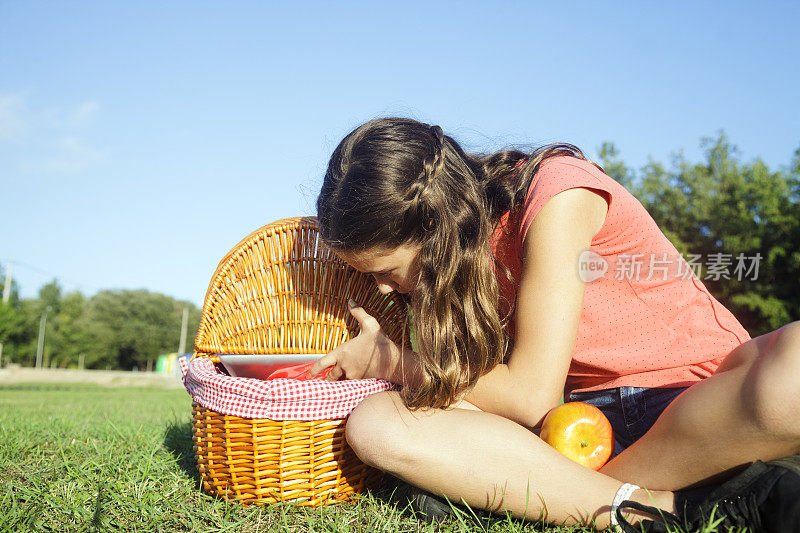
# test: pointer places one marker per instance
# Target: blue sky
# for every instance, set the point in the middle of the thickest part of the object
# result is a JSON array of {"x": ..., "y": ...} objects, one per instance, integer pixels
[{"x": 140, "y": 141}]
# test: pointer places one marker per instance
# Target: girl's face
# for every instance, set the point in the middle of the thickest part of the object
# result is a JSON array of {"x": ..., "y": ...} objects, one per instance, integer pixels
[{"x": 394, "y": 270}]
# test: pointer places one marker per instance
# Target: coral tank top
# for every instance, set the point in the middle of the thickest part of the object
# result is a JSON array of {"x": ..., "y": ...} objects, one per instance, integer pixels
[{"x": 647, "y": 319}]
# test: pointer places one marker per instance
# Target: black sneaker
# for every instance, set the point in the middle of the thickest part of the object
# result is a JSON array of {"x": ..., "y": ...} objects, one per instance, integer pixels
[
  {"x": 764, "y": 498},
  {"x": 436, "y": 509}
]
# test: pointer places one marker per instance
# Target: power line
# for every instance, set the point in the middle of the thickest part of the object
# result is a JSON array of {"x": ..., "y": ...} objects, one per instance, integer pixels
[{"x": 52, "y": 275}]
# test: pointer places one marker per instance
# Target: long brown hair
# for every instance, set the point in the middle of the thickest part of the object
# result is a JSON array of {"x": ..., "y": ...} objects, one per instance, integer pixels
[{"x": 395, "y": 181}]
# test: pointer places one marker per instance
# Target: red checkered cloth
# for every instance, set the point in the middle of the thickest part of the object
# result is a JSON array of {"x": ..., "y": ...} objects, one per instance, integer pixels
[{"x": 276, "y": 399}]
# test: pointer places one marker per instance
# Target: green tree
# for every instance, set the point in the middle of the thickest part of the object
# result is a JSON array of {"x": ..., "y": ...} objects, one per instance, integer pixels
[
  {"x": 23, "y": 335},
  {"x": 71, "y": 340},
  {"x": 129, "y": 328},
  {"x": 113, "y": 329},
  {"x": 613, "y": 165},
  {"x": 732, "y": 214},
  {"x": 49, "y": 306},
  {"x": 16, "y": 317}
]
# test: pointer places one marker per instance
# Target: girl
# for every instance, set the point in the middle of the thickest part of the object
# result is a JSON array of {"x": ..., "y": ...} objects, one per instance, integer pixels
[{"x": 533, "y": 275}]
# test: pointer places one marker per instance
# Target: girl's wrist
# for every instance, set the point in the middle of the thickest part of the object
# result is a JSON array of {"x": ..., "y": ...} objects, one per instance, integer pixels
[
  {"x": 388, "y": 370},
  {"x": 406, "y": 370}
]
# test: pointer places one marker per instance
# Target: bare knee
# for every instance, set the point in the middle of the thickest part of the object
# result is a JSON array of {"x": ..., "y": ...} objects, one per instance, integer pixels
[
  {"x": 789, "y": 339},
  {"x": 775, "y": 385},
  {"x": 377, "y": 433}
]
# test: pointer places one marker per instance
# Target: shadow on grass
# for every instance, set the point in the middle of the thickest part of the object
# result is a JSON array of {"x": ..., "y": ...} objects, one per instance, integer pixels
[
  {"x": 436, "y": 510},
  {"x": 96, "y": 525},
  {"x": 178, "y": 440}
]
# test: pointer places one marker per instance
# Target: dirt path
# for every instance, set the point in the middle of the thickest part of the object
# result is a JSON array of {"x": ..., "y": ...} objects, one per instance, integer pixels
[{"x": 108, "y": 378}]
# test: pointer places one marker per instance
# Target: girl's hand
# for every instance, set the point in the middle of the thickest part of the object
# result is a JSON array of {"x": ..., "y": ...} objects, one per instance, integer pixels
[{"x": 370, "y": 355}]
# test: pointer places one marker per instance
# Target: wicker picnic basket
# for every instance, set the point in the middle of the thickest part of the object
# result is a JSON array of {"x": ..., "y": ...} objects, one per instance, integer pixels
[{"x": 281, "y": 290}]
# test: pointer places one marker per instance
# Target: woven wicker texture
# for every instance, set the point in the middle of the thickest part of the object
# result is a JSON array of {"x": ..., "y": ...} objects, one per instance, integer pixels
[{"x": 281, "y": 290}]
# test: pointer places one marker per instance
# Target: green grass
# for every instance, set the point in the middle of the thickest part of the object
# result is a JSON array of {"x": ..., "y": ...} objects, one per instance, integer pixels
[{"x": 90, "y": 458}]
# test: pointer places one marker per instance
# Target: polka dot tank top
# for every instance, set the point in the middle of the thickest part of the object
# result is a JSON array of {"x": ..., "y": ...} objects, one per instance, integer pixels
[{"x": 647, "y": 319}]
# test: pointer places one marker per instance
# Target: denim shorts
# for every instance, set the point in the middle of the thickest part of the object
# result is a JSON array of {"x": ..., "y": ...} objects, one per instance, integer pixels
[{"x": 631, "y": 410}]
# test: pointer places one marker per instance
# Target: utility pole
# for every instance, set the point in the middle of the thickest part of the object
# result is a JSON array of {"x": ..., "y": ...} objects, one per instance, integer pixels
[
  {"x": 40, "y": 347},
  {"x": 184, "y": 324},
  {"x": 7, "y": 286}
]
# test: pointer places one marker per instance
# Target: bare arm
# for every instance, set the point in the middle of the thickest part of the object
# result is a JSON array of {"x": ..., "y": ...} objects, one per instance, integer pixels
[
  {"x": 549, "y": 304},
  {"x": 407, "y": 371}
]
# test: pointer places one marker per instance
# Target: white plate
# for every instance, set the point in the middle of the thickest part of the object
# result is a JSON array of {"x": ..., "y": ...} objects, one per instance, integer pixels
[{"x": 260, "y": 366}]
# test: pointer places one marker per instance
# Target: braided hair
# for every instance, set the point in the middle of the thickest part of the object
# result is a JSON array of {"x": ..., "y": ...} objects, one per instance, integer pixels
[{"x": 396, "y": 181}]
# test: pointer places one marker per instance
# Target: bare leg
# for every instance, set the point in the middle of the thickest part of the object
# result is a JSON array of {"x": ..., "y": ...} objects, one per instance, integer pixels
[
  {"x": 484, "y": 460},
  {"x": 746, "y": 411}
]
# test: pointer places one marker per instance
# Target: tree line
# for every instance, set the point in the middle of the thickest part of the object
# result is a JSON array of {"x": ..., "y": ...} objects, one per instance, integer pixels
[
  {"x": 722, "y": 208},
  {"x": 718, "y": 207},
  {"x": 114, "y": 329}
]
